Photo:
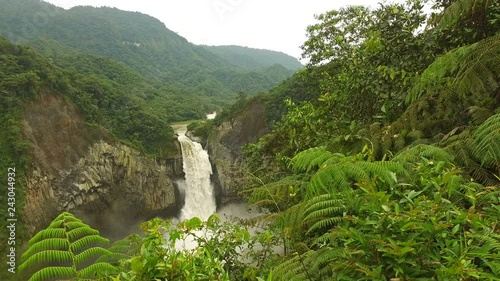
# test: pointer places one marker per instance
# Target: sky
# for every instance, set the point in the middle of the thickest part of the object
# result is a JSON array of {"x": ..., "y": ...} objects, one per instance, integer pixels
[{"x": 278, "y": 25}]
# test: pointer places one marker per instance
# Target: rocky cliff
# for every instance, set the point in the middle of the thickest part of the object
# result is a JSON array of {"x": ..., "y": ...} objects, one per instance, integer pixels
[
  {"x": 80, "y": 168},
  {"x": 224, "y": 147}
]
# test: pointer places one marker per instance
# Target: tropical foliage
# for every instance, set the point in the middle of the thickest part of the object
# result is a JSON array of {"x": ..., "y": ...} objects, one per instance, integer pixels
[
  {"x": 382, "y": 163},
  {"x": 395, "y": 164}
]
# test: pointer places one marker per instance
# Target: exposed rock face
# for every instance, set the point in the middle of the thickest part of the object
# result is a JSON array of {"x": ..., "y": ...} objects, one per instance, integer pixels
[
  {"x": 224, "y": 148},
  {"x": 79, "y": 168}
]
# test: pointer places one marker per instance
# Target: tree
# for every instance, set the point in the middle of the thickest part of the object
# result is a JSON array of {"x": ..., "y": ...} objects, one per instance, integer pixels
[{"x": 375, "y": 54}]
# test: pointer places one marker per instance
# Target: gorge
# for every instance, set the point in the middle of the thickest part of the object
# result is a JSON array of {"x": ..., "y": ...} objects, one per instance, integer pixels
[{"x": 378, "y": 161}]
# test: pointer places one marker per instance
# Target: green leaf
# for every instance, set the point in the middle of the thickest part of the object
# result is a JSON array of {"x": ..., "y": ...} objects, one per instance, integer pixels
[
  {"x": 136, "y": 264},
  {"x": 194, "y": 223},
  {"x": 174, "y": 235}
]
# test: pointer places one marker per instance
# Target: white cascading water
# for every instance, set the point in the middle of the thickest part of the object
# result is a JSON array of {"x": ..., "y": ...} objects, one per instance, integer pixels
[
  {"x": 199, "y": 200},
  {"x": 199, "y": 197}
]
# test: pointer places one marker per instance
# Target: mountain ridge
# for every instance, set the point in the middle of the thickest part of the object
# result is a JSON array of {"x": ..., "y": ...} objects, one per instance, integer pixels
[
  {"x": 260, "y": 56},
  {"x": 144, "y": 44}
]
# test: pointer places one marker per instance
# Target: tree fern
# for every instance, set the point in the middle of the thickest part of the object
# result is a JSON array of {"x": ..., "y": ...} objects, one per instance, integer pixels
[
  {"x": 338, "y": 173},
  {"x": 341, "y": 177},
  {"x": 310, "y": 266},
  {"x": 476, "y": 150},
  {"x": 462, "y": 9},
  {"x": 460, "y": 147},
  {"x": 488, "y": 197},
  {"x": 437, "y": 76},
  {"x": 479, "y": 69},
  {"x": 65, "y": 249},
  {"x": 324, "y": 211},
  {"x": 295, "y": 269},
  {"x": 314, "y": 158},
  {"x": 276, "y": 195},
  {"x": 290, "y": 222},
  {"x": 469, "y": 71},
  {"x": 480, "y": 114},
  {"x": 487, "y": 142},
  {"x": 419, "y": 152}
]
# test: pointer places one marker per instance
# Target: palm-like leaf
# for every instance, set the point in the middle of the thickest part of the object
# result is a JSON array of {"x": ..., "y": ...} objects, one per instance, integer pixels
[
  {"x": 469, "y": 71},
  {"x": 462, "y": 9},
  {"x": 487, "y": 142},
  {"x": 64, "y": 250},
  {"x": 324, "y": 211},
  {"x": 341, "y": 177}
]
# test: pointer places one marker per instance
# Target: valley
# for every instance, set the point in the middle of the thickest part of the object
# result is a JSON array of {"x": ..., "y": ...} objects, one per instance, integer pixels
[{"x": 378, "y": 160}]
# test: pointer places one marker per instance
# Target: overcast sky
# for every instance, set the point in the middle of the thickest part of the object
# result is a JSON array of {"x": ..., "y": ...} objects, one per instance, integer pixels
[{"x": 273, "y": 24}]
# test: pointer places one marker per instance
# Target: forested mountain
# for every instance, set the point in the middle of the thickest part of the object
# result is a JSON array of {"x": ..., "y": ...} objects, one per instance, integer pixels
[
  {"x": 140, "y": 42},
  {"x": 251, "y": 58},
  {"x": 101, "y": 99}
]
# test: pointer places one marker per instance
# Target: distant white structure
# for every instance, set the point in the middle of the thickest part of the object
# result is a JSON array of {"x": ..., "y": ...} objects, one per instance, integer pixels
[
  {"x": 137, "y": 44},
  {"x": 211, "y": 115}
]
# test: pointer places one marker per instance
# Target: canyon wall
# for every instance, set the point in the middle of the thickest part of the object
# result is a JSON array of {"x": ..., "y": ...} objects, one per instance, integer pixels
[
  {"x": 80, "y": 168},
  {"x": 224, "y": 147}
]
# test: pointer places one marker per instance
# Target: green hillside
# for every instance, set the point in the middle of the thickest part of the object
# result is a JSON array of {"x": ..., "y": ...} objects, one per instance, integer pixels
[
  {"x": 139, "y": 41},
  {"x": 99, "y": 97},
  {"x": 251, "y": 58}
]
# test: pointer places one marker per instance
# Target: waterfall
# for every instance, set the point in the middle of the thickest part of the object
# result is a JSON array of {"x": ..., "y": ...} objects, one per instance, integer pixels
[
  {"x": 199, "y": 193},
  {"x": 199, "y": 197}
]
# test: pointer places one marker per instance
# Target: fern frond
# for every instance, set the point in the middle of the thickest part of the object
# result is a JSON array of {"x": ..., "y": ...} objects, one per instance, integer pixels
[
  {"x": 462, "y": 9},
  {"x": 272, "y": 195},
  {"x": 416, "y": 153},
  {"x": 325, "y": 223},
  {"x": 85, "y": 241},
  {"x": 323, "y": 211},
  {"x": 51, "y": 243},
  {"x": 342, "y": 176},
  {"x": 46, "y": 234},
  {"x": 479, "y": 114},
  {"x": 489, "y": 196},
  {"x": 479, "y": 69},
  {"x": 311, "y": 265},
  {"x": 77, "y": 233},
  {"x": 48, "y": 273},
  {"x": 103, "y": 268},
  {"x": 47, "y": 257},
  {"x": 293, "y": 217},
  {"x": 487, "y": 142},
  {"x": 89, "y": 254},
  {"x": 437, "y": 76},
  {"x": 294, "y": 269},
  {"x": 67, "y": 243},
  {"x": 313, "y": 158},
  {"x": 323, "y": 260},
  {"x": 332, "y": 178},
  {"x": 113, "y": 258},
  {"x": 469, "y": 71},
  {"x": 70, "y": 225}
]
